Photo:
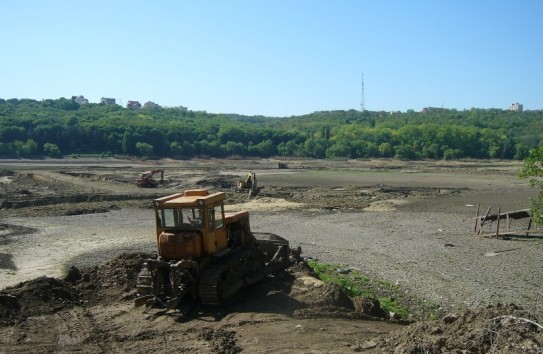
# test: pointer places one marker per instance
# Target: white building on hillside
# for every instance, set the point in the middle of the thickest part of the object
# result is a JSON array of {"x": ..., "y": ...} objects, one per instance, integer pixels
[{"x": 517, "y": 107}]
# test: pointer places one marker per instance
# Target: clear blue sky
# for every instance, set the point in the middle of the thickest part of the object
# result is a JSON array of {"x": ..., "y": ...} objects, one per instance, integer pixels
[{"x": 276, "y": 57}]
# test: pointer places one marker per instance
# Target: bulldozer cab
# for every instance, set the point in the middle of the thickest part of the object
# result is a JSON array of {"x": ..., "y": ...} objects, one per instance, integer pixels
[{"x": 190, "y": 224}]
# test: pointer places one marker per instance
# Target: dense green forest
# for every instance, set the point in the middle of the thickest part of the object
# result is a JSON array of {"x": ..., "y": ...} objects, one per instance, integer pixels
[{"x": 31, "y": 128}]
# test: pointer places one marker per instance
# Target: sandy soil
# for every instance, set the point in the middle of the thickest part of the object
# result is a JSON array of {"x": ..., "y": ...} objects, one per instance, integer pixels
[{"x": 410, "y": 224}]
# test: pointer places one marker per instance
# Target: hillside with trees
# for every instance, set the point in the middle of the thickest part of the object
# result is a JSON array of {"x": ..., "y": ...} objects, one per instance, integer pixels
[{"x": 55, "y": 128}]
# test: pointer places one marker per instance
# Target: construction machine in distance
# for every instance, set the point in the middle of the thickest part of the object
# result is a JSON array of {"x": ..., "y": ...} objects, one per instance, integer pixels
[
  {"x": 146, "y": 179},
  {"x": 205, "y": 254},
  {"x": 248, "y": 185}
]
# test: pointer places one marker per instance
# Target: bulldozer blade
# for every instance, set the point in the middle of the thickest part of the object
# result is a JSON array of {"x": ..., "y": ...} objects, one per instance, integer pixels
[{"x": 144, "y": 300}]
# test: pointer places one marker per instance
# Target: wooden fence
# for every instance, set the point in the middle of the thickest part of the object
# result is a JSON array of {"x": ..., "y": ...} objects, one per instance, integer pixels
[{"x": 501, "y": 224}]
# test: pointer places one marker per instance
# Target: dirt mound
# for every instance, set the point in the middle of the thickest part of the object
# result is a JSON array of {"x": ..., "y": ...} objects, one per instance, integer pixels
[
  {"x": 221, "y": 340},
  {"x": 216, "y": 182},
  {"x": 494, "y": 329},
  {"x": 41, "y": 296},
  {"x": 112, "y": 281},
  {"x": 315, "y": 293},
  {"x": 318, "y": 299},
  {"x": 369, "y": 306},
  {"x": 296, "y": 292},
  {"x": 10, "y": 308}
]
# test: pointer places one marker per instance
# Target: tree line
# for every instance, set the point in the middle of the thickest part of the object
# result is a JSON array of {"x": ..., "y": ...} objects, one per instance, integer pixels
[{"x": 30, "y": 128}]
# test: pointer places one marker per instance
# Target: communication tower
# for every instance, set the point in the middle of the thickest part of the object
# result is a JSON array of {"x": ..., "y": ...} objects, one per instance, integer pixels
[{"x": 362, "y": 101}]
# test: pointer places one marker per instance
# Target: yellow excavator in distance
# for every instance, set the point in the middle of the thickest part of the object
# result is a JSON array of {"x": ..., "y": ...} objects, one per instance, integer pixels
[{"x": 248, "y": 184}]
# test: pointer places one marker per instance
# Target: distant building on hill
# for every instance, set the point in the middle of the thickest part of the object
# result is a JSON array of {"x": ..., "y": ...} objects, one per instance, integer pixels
[
  {"x": 133, "y": 105},
  {"x": 517, "y": 107},
  {"x": 151, "y": 105},
  {"x": 432, "y": 109},
  {"x": 80, "y": 99},
  {"x": 105, "y": 100}
]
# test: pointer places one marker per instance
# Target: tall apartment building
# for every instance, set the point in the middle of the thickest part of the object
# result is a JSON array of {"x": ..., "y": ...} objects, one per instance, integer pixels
[{"x": 517, "y": 107}]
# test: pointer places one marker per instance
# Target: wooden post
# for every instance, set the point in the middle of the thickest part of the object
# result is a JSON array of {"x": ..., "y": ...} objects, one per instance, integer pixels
[
  {"x": 483, "y": 220},
  {"x": 498, "y": 224},
  {"x": 477, "y": 220}
]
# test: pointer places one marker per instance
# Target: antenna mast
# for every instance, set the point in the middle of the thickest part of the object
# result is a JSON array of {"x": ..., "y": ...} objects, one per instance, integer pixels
[{"x": 362, "y": 101}]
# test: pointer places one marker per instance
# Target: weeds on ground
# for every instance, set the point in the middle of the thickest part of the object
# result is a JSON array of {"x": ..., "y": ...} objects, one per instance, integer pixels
[{"x": 391, "y": 297}]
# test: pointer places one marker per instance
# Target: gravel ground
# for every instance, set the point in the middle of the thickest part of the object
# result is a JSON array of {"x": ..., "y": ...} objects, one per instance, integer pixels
[{"x": 426, "y": 253}]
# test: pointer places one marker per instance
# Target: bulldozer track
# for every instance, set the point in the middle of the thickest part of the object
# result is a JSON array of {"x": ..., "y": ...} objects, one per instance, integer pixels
[
  {"x": 219, "y": 282},
  {"x": 144, "y": 283}
]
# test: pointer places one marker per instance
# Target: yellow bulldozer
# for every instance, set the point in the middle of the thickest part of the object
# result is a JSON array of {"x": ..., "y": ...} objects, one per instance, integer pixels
[{"x": 204, "y": 253}]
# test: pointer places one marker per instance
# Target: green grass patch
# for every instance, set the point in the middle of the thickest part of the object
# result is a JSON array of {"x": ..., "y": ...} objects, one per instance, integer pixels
[{"x": 391, "y": 297}]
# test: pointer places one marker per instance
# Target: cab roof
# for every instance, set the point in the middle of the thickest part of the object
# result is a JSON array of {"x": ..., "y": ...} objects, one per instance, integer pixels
[{"x": 192, "y": 197}]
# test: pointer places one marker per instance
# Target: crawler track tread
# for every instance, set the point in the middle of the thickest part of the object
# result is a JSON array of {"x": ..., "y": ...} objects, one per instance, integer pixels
[{"x": 214, "y": 274}]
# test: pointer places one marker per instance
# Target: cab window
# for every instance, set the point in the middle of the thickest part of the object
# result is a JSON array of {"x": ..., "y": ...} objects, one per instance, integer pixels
[
  {"x": 215, "y": 219},
  {"x": 180, "y": 217},
  {"x": 219, "y": 222},
  {"x": 193, "y": 216},
  {"x": 168, "y": 217}
]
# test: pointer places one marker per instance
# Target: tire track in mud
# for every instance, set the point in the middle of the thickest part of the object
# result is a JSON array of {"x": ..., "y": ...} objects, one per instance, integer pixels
[{"x": 63, "y": 331}]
